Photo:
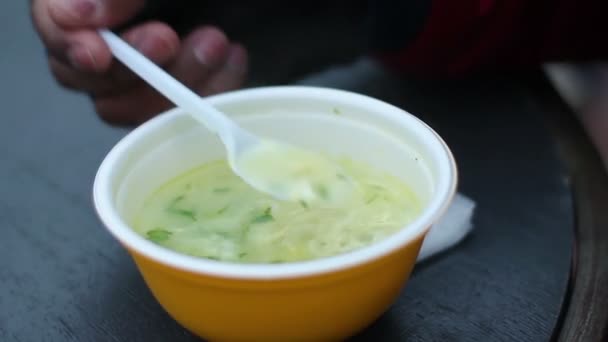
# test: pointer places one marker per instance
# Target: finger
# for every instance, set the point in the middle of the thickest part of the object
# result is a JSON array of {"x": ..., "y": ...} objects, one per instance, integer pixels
[
  {"x": 132, "y": 107},
  {"x": 52, "y": 36},
  {"x": 92, "y": 13},
  {"x": 65, "y": 28},
  {"x": 203, "y": 52},
  {"x": 231, "y": 76},
  {"x": 84, "y": 50},
  {"x": 155, "y": 40}
]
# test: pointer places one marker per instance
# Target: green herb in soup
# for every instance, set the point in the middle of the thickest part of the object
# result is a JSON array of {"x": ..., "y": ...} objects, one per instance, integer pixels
[{"x": 210, "y": 212}]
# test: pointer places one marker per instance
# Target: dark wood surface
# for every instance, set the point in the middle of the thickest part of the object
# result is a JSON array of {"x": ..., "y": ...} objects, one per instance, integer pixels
[
  {"x": 63, "y": 278},
  {"x": 585, "y": 314}
]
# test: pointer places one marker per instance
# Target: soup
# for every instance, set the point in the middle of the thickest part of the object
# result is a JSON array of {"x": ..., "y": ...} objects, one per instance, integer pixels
[{"x": 210, "y": 212}]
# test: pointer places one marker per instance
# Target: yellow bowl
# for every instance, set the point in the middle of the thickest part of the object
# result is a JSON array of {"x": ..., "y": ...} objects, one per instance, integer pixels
[{"x": 319, "y": 300}]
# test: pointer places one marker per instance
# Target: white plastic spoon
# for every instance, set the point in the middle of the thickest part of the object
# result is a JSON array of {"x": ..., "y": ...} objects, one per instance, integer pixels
[{"x": 281, "y": 170}]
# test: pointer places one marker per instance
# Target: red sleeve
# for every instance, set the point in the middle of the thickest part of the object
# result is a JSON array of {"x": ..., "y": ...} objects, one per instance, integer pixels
[{"x": 470, "y": 35}]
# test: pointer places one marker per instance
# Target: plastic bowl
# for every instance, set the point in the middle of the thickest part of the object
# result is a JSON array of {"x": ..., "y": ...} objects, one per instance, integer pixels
[{"x": 324, "y": 299}]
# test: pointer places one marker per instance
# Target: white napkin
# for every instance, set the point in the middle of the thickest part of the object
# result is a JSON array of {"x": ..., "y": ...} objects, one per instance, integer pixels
[{"x": 455, "y": 224}]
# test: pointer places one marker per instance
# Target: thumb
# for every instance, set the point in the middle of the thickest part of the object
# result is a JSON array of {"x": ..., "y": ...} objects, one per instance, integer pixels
[{"x": 93, "y": 13}]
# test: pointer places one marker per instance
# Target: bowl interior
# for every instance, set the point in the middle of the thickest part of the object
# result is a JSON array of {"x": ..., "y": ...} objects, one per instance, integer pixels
[{"x": 189, "y": 145}]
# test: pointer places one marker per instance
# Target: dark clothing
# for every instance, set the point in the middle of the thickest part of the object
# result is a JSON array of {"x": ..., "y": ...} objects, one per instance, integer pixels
[
  {"x": 468, "y": 35},
  {"x": 430, "y": 37}
]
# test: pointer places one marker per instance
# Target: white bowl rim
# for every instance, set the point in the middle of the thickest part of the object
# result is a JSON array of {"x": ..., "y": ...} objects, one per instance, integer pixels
[{"x": 108, "y": 214}]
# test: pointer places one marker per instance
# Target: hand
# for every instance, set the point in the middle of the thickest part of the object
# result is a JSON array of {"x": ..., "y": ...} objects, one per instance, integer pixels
[{"x": 205, "y": 60}]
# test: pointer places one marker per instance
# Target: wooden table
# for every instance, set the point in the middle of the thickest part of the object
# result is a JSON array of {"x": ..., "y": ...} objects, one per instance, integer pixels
[{"x": 534, "y": 269}]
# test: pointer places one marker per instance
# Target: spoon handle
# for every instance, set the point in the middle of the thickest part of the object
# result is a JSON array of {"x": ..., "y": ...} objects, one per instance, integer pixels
[{"x": 168, "y": 86}]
